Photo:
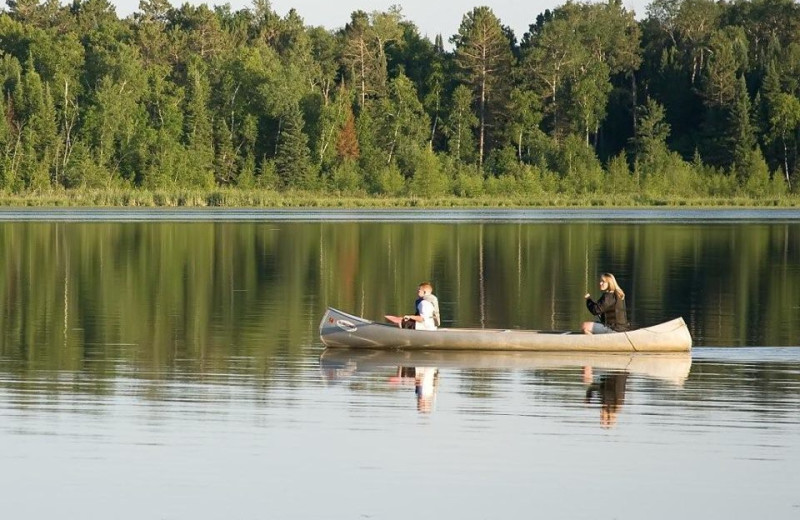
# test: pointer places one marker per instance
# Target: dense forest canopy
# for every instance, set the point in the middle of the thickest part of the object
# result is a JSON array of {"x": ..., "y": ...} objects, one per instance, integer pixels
[{"x": 697, "y": 97}]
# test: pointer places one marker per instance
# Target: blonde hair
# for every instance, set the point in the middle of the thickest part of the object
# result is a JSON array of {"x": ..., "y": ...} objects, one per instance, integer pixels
[
  {"x": 426, "y": 285},
  {"x": 613, "y": 286}
]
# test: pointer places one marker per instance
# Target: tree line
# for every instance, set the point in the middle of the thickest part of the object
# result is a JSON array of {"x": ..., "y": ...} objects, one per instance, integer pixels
[{"x": 699, "y": 97}]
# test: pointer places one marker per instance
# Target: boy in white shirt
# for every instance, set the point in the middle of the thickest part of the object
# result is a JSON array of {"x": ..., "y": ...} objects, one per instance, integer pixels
[{"x": 427, "y": 307}]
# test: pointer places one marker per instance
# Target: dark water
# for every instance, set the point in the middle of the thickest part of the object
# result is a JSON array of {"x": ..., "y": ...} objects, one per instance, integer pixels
[{"x": 163, "y": 369}]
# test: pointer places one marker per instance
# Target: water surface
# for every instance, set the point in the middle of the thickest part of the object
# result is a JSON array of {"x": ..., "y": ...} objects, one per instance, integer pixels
[{"x": 164, "y": 369}]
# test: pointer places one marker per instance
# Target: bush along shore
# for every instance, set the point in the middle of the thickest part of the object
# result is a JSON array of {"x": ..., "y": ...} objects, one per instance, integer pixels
[
  {"x": 259, "y": 198},
  {"x": 689, "y": 103}
]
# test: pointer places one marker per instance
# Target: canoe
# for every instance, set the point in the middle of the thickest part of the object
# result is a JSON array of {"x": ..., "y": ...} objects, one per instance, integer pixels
[
  {"x": 670, "y": 367},
  {"x": 341, "y": 330}
]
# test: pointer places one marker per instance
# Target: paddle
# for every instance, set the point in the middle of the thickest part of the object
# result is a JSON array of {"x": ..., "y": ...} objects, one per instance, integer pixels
[{"x": 397, "y": 320}]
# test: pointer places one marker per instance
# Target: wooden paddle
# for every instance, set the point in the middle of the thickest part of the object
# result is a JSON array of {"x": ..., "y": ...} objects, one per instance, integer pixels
[{"x": 397, "y": 320}]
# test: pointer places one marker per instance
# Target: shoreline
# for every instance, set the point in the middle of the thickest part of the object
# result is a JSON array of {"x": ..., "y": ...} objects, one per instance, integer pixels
[
  {"x": 400, "y": 215},
  {"x": 268, "y": 199}
]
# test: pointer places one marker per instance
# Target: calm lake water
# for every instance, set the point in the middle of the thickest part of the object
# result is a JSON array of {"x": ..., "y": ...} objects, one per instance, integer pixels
[{"x": 166, "y": 364}]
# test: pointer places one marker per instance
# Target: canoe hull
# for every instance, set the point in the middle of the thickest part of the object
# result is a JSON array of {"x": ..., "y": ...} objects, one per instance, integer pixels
[{"x": 341, "y": 330}]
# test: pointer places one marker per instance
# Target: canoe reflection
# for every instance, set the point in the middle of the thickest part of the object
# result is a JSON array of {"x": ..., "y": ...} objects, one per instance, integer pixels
[{"x": 605, "y": 375}]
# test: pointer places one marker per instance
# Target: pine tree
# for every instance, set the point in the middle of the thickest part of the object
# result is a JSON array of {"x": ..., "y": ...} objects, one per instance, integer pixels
[
  {"x": 483, "y": 53},
  {"x": 293, "y": 160},
  {"x": 198, "y": 130},
  {"x": 742, "y": 136},
  {"x": 225, "y": 164}
]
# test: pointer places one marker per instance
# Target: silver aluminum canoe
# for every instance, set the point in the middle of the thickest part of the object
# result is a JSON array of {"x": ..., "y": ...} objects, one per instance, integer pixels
[{"x": 341, "y": 330}]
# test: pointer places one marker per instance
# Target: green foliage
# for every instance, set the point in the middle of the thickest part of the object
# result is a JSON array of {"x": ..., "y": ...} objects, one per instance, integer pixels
[
  {"x": 246, "y": 179},
  {"x": 532, "y": 181},
  {"x": 197, "y": 131},
  {"x": 346, "y": 177},
  {"x": 268, "y": 177},
  {"x": 459, "y": 126},
  {"x": 196, "y": 98},
  {"x": 82, "y": 172},
  {"x": 371, "y": 160},
  {"x": 484, "y": 58},
  {"x": 524, "y": 183},
  {"x": 710, "y": 181},
  {"x": 293, "y": 160},
  {"x": 523, "y": 127},
  {"x": 402, "y": 124},
  {"x": 504, "y": 161},
  {"x": 429, "y": 180},
  {"x": 760, "y": 184},
  {"x": 742, "y": 133},
  {"x": 389, "y": 181},
  {"x": 581, "y": 172},
  {"x": 652, "y": 131},
  {"x": 619, "y": 179},
  {"x": 467, "y": 181},
  {"x": 784, "y": 119},
  {"x": 504, "y": 185},
  {"x": 669, "y": 174}
]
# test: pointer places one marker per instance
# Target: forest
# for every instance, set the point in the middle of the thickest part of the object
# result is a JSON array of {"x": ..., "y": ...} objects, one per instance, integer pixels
[{"x": 691, "y": 99}]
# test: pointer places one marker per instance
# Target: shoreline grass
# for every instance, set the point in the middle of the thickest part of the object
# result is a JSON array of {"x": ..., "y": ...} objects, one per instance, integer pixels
[{"x": 238, "y": 198}]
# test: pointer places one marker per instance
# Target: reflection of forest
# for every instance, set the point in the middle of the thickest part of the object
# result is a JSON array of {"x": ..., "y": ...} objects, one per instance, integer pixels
[{"x": 208, "y": 292}]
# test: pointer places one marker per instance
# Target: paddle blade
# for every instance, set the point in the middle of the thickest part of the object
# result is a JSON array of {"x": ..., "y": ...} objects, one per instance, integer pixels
[{"x": 397, "y": 320}]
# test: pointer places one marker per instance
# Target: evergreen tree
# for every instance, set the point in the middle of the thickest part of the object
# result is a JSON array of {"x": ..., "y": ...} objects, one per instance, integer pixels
[
  {"x": 483, "y": 54},
  {"x": 225, "y": 159},
  {"x": 650, "y": 141},
  {"x": 38, "y": 131},
  {"x": 293, "y": 160},
  {"x": 742, "y": 135},
  {"x": 197, "y": 131},
  {"x": 8, "y": 145},
  {"x": 362, "y": 58},
  {"x": 371, "y": 159}
]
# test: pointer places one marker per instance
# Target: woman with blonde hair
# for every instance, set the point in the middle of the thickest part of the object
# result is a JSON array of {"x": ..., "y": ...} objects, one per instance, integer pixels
[{"x": 609, "y": 308}]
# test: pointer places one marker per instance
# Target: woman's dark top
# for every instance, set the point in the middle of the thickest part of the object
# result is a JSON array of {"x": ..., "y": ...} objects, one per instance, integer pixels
[{"x": 611, "y": 311}]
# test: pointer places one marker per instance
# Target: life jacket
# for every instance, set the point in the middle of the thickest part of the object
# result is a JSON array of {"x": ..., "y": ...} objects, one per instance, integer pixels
[{"x": 433, "y": 300}]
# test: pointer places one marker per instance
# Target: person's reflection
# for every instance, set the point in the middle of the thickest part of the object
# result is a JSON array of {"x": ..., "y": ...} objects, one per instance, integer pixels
[
  {"x": 403, "y": 375},
  {"x": 426, "y": 382},
  {"x": 611, "y": 391}
]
